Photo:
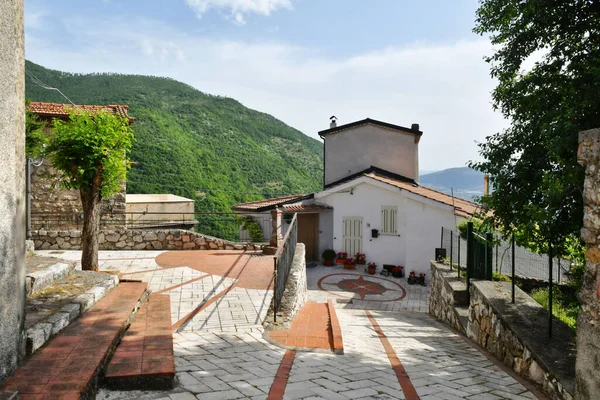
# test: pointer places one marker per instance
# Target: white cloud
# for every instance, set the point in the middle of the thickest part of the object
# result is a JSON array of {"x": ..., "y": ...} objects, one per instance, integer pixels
[
  {"x": 443, "y": 87},
  {"x": 238, "y": 8}
]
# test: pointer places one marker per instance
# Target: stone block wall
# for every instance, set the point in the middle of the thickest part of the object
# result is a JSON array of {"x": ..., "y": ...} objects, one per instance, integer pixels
[
  {"x": 588, "y": 322},
  {"x": 516, "y": 336},
  {"x": 295, "y": 294},
  {"x": 176, "y": 239},
  {"x": 53, "y": 207},
  {"x": 444, "y": 284}
]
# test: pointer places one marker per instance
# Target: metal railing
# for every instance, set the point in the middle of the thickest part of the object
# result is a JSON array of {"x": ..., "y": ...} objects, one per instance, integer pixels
[
  {"x": 283, "y": 260},
  {"x": 224, "y": 225}
]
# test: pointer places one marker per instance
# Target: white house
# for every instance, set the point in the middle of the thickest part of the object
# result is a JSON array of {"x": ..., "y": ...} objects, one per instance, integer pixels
[{"x": 371, "y": 201}]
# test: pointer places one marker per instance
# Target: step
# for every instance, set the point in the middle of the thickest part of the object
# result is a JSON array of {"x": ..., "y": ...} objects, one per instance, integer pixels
[
  {"x": 69, "y": 365},
  {"x": 144, "y": 358},
  {"x": 462, "y": 313},
  {"x": 41, "y": 272}
]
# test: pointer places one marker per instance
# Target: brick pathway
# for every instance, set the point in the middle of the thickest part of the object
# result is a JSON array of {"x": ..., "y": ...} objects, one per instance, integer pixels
[
  {"x": 220, "y": 352},
  {"x": 68, "y": 366}
]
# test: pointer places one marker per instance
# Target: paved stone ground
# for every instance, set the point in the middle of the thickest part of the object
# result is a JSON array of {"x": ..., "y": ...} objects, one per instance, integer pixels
[{"x": 230, "y": 359}]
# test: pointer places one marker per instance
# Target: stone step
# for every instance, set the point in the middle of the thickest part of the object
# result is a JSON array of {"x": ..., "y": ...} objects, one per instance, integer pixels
[
  {"x": 144, "y": 358},
  {"x": 69, "y": 366},
  {"x": 42, "y": 272}
]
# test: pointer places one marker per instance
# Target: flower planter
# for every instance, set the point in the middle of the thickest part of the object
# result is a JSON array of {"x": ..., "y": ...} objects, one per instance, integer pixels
[
  {"x": 328, "y": 263},
  {"x": 371, "y": 270},
  {"x": 349, "y": 266},
  {"x": 340, "y": 261}
]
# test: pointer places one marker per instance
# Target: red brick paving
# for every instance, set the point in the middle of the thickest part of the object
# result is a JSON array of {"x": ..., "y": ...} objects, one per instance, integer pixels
[
  {"x": 68, "y": 366},
  {"x": 408, "y": 389},
  {"x": 281, "y": 378},
  {"x": 252, "y": 270},
  {"x": 311, "y": 329},
  {"x": 144, "y": 358}
]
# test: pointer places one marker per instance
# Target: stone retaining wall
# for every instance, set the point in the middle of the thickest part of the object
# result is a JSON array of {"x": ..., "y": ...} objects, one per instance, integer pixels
[
  {"x": 176, "y": 239},
  {"x": 444, "y": 283},
  {"x": 517, "y": 335},
  {"x": 588, "y": 322},
  {"x": 295, "y": 294}
]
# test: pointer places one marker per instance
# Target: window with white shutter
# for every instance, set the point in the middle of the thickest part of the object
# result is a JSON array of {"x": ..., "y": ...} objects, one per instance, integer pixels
[{"x": 389, "y": 220}]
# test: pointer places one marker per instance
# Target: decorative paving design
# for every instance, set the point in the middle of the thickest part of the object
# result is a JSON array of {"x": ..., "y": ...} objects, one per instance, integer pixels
[{"x": 371, "y": 289}]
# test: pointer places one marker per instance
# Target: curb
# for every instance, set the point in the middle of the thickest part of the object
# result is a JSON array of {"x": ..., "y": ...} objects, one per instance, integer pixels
[{"x": 336, "y": 330}]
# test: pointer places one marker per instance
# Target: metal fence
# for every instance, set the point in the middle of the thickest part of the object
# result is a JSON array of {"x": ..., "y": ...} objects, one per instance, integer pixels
[
  {"x": 223, "y": 225},
  {"x": 283, "y": 260},
  {"x": 528, "y": 264}
]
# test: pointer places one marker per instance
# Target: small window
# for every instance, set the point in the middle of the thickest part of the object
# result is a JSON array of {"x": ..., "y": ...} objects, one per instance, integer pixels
[{"x": 388, "y": 220}]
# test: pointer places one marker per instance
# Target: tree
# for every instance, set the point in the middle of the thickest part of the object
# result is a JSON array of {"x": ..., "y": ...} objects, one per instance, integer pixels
[
  {"x": 533, "y": 164},
  {"x": 35, "y": 138},
  {"x": 91, "y": 153}
]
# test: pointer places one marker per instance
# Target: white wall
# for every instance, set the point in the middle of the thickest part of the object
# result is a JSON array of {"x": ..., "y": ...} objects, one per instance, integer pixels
[
  {"x": 354, "y": 150},
  {"x": 325, "y": 231},
  {"x": 419, "y": 225}
]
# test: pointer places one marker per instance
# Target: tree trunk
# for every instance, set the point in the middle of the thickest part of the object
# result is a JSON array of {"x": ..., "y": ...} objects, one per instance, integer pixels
[{"x": 90, "y": 200}]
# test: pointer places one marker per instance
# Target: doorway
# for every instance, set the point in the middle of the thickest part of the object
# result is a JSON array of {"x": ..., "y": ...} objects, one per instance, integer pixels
[
  {"x": 308, "y": 233},
  {"x": 352, "y": 235}
]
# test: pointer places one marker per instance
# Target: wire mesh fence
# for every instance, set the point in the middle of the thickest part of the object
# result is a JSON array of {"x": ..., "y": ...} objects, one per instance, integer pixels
[{"x": 528, "y": 264}]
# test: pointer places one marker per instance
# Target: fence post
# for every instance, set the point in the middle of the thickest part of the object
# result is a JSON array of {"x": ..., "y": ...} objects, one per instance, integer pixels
[
  {"x": 458, "y": 263},
  {"x": 442, "y": 239},
  {"x": 275, "y": 303},
  {"x": 451, "y": 248},
  {"x": 513, "y": 268},
  {"x": 489, "y": 254},
  {"x": 550, "y": 291},
  {"x": 470, "y": 259}
]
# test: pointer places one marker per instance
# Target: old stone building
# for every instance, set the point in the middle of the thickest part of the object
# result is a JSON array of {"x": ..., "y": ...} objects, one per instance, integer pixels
[{"x": 55, "y": 208}]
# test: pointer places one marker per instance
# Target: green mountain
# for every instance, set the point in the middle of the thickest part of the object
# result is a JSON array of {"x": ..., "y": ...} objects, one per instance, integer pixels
[
  {"x": 466, "y": 182},
  {"x": 208, "y": 148}
]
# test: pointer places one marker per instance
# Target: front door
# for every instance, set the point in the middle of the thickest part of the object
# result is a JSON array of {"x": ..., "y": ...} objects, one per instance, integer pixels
[
  {"x": 352, "y": 235},
  {"x": 308, "y": 233}
]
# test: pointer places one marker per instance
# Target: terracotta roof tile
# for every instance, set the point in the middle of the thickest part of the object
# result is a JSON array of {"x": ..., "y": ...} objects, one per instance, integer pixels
[
  {"x": 305, "y": 207},
  {"x": 256, "y": 205},
  {"x": 462, "y": 208},
  {"x": 57, "y": 110}
]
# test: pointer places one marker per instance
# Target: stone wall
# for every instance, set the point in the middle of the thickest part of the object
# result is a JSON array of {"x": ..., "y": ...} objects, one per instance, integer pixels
[
  {"x": 175, "y": 239},
  {"x": 295, "y": 294},
  {"x": 12, "y": 186},
  {"x": 588, "y": 323},
  {"x": 53, "y": 207},
  {"x": 517, "y": 334},
  {"x": 447, "y": 291}
]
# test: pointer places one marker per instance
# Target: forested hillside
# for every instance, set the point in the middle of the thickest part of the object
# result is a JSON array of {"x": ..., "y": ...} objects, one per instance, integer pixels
[{"x": 209, "y": 148}]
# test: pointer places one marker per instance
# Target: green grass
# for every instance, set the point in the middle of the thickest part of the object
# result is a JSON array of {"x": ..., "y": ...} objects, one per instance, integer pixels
[{"x": 563, "y": 307}]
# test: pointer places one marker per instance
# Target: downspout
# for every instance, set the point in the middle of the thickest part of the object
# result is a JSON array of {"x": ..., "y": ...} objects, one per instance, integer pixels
[{"x": 28, "y": 197}]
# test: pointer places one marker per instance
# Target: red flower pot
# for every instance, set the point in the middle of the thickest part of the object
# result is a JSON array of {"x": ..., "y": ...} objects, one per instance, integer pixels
[
  {"x": 349, "y": 266},
  {"x": 328, "y": 263},
  {"x": 371, "y": 270}
]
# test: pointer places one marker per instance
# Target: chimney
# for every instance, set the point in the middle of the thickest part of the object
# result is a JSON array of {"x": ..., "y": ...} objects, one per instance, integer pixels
[
  {"x": 486, "y": 185},
  {"x": 333, "y": 122},
  {"x": 414, "y": 127}
]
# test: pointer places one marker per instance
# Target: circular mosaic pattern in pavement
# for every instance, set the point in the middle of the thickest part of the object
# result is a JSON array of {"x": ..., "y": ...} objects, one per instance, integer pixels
[{"x": 370, "y": 288}]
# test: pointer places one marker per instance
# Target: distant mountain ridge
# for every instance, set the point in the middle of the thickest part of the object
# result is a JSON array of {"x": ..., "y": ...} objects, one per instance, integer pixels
[
  {"x": 466, "y": 182},
  {"x": 208, "y": 148}
]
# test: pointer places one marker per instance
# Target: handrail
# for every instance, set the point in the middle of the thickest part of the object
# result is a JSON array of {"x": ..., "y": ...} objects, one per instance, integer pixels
[{"x": 286, "y": 237}]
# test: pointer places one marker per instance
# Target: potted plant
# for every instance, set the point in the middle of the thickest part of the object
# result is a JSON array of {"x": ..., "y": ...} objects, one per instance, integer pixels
[
  {"x": 360, "y": 258},
  {"x": 349, "y": 264},
  {"x": 341, "y": 257},
  {"x": 412, "y": 278},
  {"x": 371, "y": 268},
  {"x": 328, "y": 257},
  {"x": 421, "y": 279},
  {"x": 398, "y": 271}
]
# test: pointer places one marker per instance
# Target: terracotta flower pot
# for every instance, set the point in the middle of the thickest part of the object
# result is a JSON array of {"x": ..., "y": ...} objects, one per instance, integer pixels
[
  {"x": 340, "y": 261},
  {"x": 371, "y": 270},
  {"x": 328, "y": 263},
  {"x": 349, "y": 266}
]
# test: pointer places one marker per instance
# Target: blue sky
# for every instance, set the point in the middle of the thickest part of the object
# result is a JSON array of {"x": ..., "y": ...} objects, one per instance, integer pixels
[{"x": 399, "y": 61}]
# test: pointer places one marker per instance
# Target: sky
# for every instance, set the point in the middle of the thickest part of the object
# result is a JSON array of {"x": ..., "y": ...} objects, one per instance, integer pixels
[{"x": 302, "y": 61}]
